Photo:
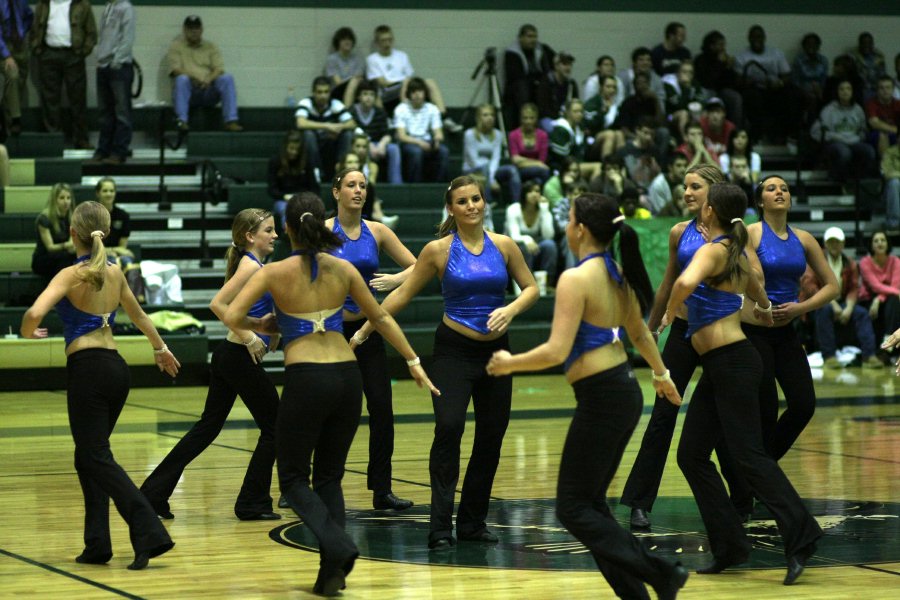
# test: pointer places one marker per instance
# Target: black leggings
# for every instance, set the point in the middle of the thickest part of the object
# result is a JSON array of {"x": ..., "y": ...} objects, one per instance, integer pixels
[
  {"x": 98, "y": 383},
  {"x": 376, "y": 382},
  {"x": 643, "y": 482},
  {"x": 609, "y": 405},
  {"x": 783, "y": 360},
  {"x": 458, "y": 370},
  {"x": 724, "y": 406},
  {"x": 232, "y": 373},
  {"x": 317, "y": 419}
]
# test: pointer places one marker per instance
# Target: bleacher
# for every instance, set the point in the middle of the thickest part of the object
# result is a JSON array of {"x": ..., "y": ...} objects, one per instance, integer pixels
[{"x": 174, "y": 235}]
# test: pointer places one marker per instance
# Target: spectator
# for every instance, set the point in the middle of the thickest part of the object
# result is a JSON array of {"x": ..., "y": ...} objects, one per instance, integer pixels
[
  {"x": 684, "y": 97},
  {"x": 869, "y": 63},
  {"x": 392, "y": 72},
  {"x": 526, "y": 63},
  {"x": 695, "y": 147},
  {"x": 643, "y": 107},
  {"x": 529, "y": 146},
  {"x": 671, "y": 53},
  {"x": 561, "y": 218},
  {"x": 883, "y": 112},
  {"x": 359, "y": 146},
  {"x": 601, "y": 120},
  {"x": 606, "y": 67},
  {"x": 482, "y": 147},
  {"x": 843, "y": 67},
  {"x": 54, "y": 249},
  {"x": 842, "y": 310},
  {"x": 327, "y": 127},
  {"x": 809, "y": 72},
  {"x": 880, "y": 288},
  {"x": 639, "y": 154},
  {"x": 717, "y": 129},
  {"x": 659, "y": 194},
  {"x": 842, "y": 129},
  {"x": 771, "y": 103},
  {"x": 116, "y": 241},
  {"x": 897, "y": 76},
  {"x": 714, "y": 70},
  {"x": 613, "y": 181},
  {"x": 556, "y": 90},
  {"x": 739, "y": 144},
  {"x": 568, "y": 139},
  {"x": 421, "y": 136},
  {"x": 344, "y": 67},
  {"x": 530, "y": 224},
  {"x": 890, "y": 170},
  {"x": 740, "y": 175},
  {"x": 677, "y": 207},
  {"x": 630, "y": 206},
  {"x": 373, "y": 121},
  {"x": 16, "y": 18},
  {"x": 115, "y": 72},
  {"x": 641, "y": 62},
  {"x": 290, "y": 173},
  {"x": 199, "y": 76},
  {"x": 555, "y": 187},
  {"x": 62, "y": 36}
]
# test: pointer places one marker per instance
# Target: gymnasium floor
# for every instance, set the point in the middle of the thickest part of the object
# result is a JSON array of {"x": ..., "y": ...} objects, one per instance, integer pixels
[{"x": 846, "y": 466}]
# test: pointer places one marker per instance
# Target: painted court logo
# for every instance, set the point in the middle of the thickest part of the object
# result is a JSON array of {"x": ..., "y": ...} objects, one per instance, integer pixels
[{"x": 532, "y": 538}]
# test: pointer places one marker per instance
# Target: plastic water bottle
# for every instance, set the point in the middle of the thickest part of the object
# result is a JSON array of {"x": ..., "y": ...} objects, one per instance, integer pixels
[{"x": 291, "y": 100}]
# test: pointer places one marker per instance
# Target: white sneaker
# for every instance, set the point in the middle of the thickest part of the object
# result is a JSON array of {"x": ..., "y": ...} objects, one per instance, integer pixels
[
  {"x": 390, "y": 221},
  {"x": 452, "y": 126}
]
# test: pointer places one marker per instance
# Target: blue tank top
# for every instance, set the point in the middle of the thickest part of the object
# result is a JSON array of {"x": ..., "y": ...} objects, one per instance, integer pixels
[
  {"x": 783, "y": 264},
  {"x": 690, "y": 240},
  {"x": 591, "y": 337},
  {"x": 707, "y": 304},
  {"x": 362, "y": 253},
  {"x": 76, "y": 322},
  {"x": 474, "y": 285},
  {"x": 263, "y": 306},
  {"x": 294, "y": 326}
]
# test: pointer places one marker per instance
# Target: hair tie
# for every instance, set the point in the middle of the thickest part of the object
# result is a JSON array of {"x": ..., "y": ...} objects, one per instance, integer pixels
[
  {"x": 618, "y": 219},
  {"x": 98, "y": 234},
  {"x": 303, "y": 216},
  {"x": 736, "y": 219},
  {"x": 233, "y": 245}
]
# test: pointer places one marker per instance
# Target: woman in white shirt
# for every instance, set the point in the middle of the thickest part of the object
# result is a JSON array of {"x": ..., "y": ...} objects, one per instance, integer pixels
[
  {"x": 482, "y": 147},
  {"x": 530, "y": 224}
]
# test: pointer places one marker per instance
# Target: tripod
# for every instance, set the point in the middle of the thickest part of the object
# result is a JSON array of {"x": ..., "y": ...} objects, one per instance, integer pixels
[{"x": 489, "y": 77}]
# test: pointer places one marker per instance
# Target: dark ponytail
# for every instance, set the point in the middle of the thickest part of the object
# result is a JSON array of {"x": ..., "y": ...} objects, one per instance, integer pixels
[
  {"x": 601, "y": 215},
  {"x": 729, "y": 203},
  {"x": 305, "y": 219}
]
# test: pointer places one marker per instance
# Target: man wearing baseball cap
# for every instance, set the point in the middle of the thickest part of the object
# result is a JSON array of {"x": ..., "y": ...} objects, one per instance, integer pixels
[
  {"x": 716, "y": 128},
  {"x": 199, "y": 77},
  {"x": 843, "y": 310}
]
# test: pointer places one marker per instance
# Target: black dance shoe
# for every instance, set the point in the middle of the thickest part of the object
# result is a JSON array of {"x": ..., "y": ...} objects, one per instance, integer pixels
[
  {"x": 93, "y": 558},
  {"x": 482, "y": 535},
  {"x": 640, "y": 518},
  {"x": 720, "y": 564},
  {"x": 265, "y": 516},
  {"x": 162, "y": 509},
  {"x": 282, "y": 502},
  {"x": 390, "y": 502},
  {"x": 142, "y": 559},
  {"x": 797, "y": 563},
  {"x": 444, "y": 543},
  {"x": 676, "y": 580}
]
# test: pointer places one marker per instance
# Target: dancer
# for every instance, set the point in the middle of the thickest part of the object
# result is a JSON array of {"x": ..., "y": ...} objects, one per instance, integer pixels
[
  {"x": 890, "y": 342},
  {"x": 361, "y": 243},
  {"x": 593, "y": 300},
  {"x": 86, "y": 296},
  {"x": 322, "y": 396},
  {"x": 784, "y": 253},
  {"x": 725, "y": 403},
  {"x": 235, "y": 370},
  {"x": 474, "y": 266},
  {"x": 684, "y": 238}
]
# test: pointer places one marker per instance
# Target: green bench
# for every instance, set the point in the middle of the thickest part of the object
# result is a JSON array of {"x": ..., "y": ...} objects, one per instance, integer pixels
[{"x": 15, "y": 257}]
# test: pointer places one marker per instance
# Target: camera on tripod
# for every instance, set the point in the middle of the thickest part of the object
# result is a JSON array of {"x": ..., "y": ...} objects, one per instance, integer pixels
[{"x": 489, "y": 60}]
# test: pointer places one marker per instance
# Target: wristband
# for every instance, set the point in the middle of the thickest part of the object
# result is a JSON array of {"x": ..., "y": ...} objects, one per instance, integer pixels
[
  {"x": 768, "y": 309},
  {"x": 414, "y": 362},
  {"x": 359, "y": 340},
  {"x": 162, "y": 350},
  {"x": 664, "y": 377}
]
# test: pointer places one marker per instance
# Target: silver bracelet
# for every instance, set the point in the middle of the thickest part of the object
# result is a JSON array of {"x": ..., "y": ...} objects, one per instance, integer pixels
[
  {"x": 359, "y": 340},
  {"x": 414, "y": 362},
  {"x": 768, "y": 309},
  {"x": 667, "y": 376},
  {"x": 162, "y": 350}
]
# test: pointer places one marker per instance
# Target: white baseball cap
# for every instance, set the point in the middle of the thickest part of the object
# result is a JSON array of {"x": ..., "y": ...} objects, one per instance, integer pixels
[{"x": 834, "y": 233}]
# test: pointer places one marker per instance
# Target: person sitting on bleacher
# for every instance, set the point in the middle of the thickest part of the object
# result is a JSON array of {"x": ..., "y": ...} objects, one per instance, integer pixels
[
  {"x": 54, "y": 250},
  {"x": 660, "y": 193},
  {"x": 116, "y": 241},
  {"x": 421, "y": 135},
  {"x": 716, "y": 127},
  {"x": 567, "y": 139},
  {"x": 198, "y": 71},
  {"x": 739, "y": 145},
  {"x": 529, "y": 146},
  {"x": 890, "y": 170},
  {"x": 883, "y": 112},
  {"x": 373, "y": 122},
  {"x": 482, "y": 148},
  {"x": 555, "y": 90},
  {"x": 327, "y": 127},
  {"x": 289, "y": 173},
  {"x": 880, "y": 289},
  {"x": 344, "y": 66},
  {"x": 842, "y": 310},
  {"x": 684, "y": 97},
  {"x": 841, "y": 127}
]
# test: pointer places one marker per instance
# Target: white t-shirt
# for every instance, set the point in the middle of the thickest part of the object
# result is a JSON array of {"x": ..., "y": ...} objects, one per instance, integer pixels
[
  {"x": 771, "y": 59},
  {"x": 59, "y": 30},
  {"x": 418, "y": 122},
  {"x": 394, "y": 67}
]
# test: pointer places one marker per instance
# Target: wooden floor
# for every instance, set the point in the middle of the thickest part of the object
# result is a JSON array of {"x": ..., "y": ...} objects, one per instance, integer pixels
[{"x": 851, "y": 451}]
